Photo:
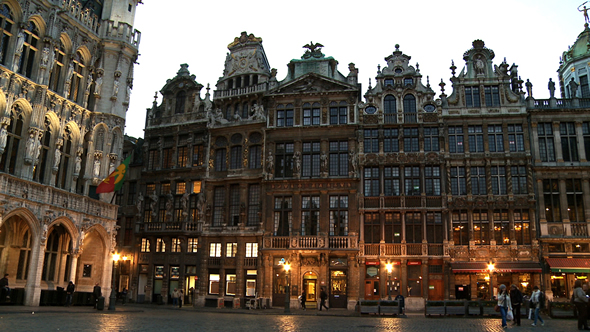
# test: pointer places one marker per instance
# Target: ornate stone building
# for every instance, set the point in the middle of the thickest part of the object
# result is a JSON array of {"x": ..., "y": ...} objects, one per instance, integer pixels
[{"x": 66, "y": 73}]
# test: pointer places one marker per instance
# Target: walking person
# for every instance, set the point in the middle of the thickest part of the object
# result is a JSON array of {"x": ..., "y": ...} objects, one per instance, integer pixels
[
  {"x": 96, "y": 293},
  {"x": 175, "y": 297},
  {"x": 504, "y": 303},
  {"x": 581, "y": 303},
  {"x": 587, "y": 291},
  {"x": 537, "y": 300},
  {"x": 4, "y": 289},
  {"x": 303, "y": 297},
  {"x": 180, "y": 298},
  {"x": 124, "y": 295},
  {"x": 70, "y": 293},
  {"x": 323, "y": 297},
  {"x": 516, "y": 300}
]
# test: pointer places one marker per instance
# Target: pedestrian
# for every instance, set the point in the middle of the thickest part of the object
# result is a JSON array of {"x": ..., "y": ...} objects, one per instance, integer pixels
[
  {"x": 537, "y": 300},
  {"x": 504, "y": 303},
  {"x": 516, "y": 300},
  {"x": 4, "y": 289},
  {"x": 124, "y": 295},
  {"x": 302, "y": 299},
  {"x": 96, "y": 293},
  {"x": 180, "y": 298},
  {"x": 581, "y": 302},
  {"x": 175, "y": 297},
  {"x": 323, "y": 297},
  {"x": 70, "y": 293},
  {"x": 587, "y": 291}
]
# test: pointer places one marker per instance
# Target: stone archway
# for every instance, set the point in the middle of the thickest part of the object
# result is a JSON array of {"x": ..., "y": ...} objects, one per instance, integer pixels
[{"x": 92, "y": 265}]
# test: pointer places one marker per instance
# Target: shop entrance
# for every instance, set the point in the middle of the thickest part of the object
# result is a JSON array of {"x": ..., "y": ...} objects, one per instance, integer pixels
[
  {"x": 372, "y": 290},
  {"x": 435, "y": 290},
  {"x": 310, "y": 284},
  {"x": 463, "y": 292}
]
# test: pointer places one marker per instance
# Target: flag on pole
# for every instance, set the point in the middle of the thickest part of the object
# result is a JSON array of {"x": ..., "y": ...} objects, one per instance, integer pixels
[{"x": 114, "y": 181}]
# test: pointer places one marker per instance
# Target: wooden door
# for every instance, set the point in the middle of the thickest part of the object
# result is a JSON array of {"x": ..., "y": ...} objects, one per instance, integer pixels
[
  {"x": 372, "y": 290},
  {"x": 435, "y": 290}
]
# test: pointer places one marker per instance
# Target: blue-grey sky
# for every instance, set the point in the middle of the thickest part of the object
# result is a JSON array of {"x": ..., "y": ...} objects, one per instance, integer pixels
[{"x": 531, "y": 34}]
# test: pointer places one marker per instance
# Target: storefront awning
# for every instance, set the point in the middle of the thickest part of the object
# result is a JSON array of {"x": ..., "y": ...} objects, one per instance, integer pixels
[
  {"x": 581, "y": 265},
  {"x": 482, "y": 267}
]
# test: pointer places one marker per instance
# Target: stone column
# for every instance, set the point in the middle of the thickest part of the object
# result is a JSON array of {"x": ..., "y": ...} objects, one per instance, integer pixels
[
  {"x": 557, "y": 137},
  {"x": 74, "y": 266},
  {"x": 580, "y": 139},
  {"x": 33, "y": 286}
]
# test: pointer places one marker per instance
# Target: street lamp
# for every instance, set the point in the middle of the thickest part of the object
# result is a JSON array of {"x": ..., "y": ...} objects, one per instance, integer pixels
[
  {"x": 389, "y": 268},
  {"x": 287, "y": 267},
  {"x": 113, "y": 297},
  {"x": 491, "y": 270}
]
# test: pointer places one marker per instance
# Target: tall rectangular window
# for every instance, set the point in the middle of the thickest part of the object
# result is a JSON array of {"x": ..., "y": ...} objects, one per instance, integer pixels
[
  {"x": 251, "y": 249},
  {"x": 339, "y": 215},
  {"x": 255, "y": 158},
  {"x": 371, "y": 182},
  {"x": 215, "y": 249},
  {"x": 456, "y": 139},
  {"x": 284, "y": 160},
  {"x": 311, "y": 160},
  {"x": 338, "y": 113},
  {"x": 481, "y": 227},
  {"x": 391, "y": 183},
  {"x": 475, "y": 138},
  {"x": 551, "y": 199},
  {"x": 253, "y": 205},
  {"x": 492, "y": 95},
  {"x": 182, "y": 156},
  {"x": 153, "y": 159},
  {"x": 411, "y": 140},
  {"x": 338, "y": 158},
  {"x": 235, "y": 158},
  {"x": 501, "y": 227},
  {"x": 516, "y": 138},
  {"x": 372, "y": 228},
  {"x": 414, "y": 227},
  {"x": 234, "y": 205},
  {"x": 498, "y": 180},
  {"x": 192, "y": 245},
  {"x": 458, "y": 185},
  {"x": 431, "y": 142},
  {"x": 311, "y": 114},
  {"x": 198, "y": 155},
  {"x": 460, "y": 227},
  {"x": 546, "y": 145},
  {"x": 371, "y": 141},
  {"x": 285, "y": 115},
  {"x": 495, "y": 138},
  {"x": 472, "y": 98},
  {"x": 218, "y": 206},
  {"x": 522, "y": 227},
  {"x": 220, "y": 160},
  {"x": 519, "y": 186},
  {"x": 132, "y": 193},
  {"x": 167, "y": 158},
  {"x": 478, "y": 181},
  {"x": 569, "y": 145},
  {"x": 175, "y": 245},
  {"x": 412, "y": 180},
  {"x": 575, "y": 200},
  {"x": 584, "y": 86},
  {"x": 145, "y": 245},
  {"x": 231, "y": 248},
  {"x": 390, "y": 140},
  {"x": 160, "y": 245},
  {"x": 283, "y": 215},
  {"x": 432, "y": 180},
  {"x": 434, "y": 227},
  {"x": 310, "y": 215},
  {"x": 393, "y": 227}
]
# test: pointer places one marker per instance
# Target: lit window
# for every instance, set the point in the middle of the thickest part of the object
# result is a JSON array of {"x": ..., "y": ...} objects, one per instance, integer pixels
[
  {"x": 215, "y": 250},
  {"x": 192, "y": 245},
  {"x": 231, "y": 249},
  {"x": 252, "y": 249}
]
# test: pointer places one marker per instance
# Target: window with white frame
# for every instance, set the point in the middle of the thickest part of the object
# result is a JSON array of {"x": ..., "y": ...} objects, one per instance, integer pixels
[
  {"x": 231, "y": 248},
  {"x": 251, "y": 249}
]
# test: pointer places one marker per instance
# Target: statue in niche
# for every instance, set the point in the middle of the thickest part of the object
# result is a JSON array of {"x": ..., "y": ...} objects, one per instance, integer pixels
[
  {"x": 153, "y": 203},
  {"x": 89, "y": 83},
  {"x": 3, "y": 136},
  {"x": 96, "y": 167},
  {"x": 30, "y": 145},
  {"x": 139, "y": 203},
  {"x": 270, "y": 164},
  {"x": 184, "y": 203},
  {"x": 70, "y": 72},
  {"x": 201, "y": 204},
  {"x": 297, "y": 162},
  {"x": 237, "y": 116},
  {"x": 257, "y": 113},
  {"x": 128, "y": 94},
  {"x": 20, "y": 42},
  {"x": 573, "y": 88},
  {"x": 57, "y": 159},
  {"x": 78, "y": 165},
  {"x": 116, "y": 88},
  {"x": 479, "y": 65},
  {"x": 354, "y": 159},
  {"x": 98, "y": 85},
  {"x": 45, "y": 56},
  {"x": 324, "y": 162}
]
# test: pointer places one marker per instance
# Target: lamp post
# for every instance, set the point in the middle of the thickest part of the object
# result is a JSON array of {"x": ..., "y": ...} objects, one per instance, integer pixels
[
  {"x": 491, "y": 269},
  {"x": 389, "y": 268},
  {"x": 287, "y": 267},
  {"x": 113, "y": 297}
]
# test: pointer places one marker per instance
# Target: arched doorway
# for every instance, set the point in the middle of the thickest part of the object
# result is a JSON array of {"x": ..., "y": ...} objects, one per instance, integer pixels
[
  {"x": 57, "y": 261},
  {"x": 310, "y": 285},
  {"x": 15, "y": 255},
  {"x": 91, "y": 264}
]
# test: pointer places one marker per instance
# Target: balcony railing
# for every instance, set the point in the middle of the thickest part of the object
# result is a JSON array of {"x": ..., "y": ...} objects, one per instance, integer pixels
[
  {"x": 250, "y": 262},
  {"x": 403, "y": 202},
  {"x": 311, "y": 242},
  {"x": 579, "y": 229},
  {"x": 261, "y": 87},
  {"x": 172, "y": 227},
  {"x": 390, "y": 118},
  {"x": 403, "y": 249},
  {"x": 410, "y": 118}
]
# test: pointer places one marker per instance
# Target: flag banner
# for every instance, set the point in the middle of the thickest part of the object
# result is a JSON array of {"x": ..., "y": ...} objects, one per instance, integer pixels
[{"x": 114, "y": 181}]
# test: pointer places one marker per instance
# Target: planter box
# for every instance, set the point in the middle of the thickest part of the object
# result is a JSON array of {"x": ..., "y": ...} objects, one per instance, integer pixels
[
  {"x": 455, "y": 307},
  {"x": 434, "y": 308},
  {"x": 369, "y": 307},
  {"x": 562, "y": 309},
  {"x": 473, "y": 308},
  {"x": 389, "y": 307},
  {"x": 488, "y": 308}
]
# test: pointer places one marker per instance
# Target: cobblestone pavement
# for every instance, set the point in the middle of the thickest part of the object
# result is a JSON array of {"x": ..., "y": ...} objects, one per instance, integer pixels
[{"x": 154, "y": 318}]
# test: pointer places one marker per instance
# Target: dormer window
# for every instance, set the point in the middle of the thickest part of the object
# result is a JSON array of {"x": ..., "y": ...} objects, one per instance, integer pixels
[
  {"x": 408, "y": 81},
  {"x": 388, "y": 82},
  {"x": 492, "y": 95},
  {"x": 472, "y": 98},
  {"x": 180, "y": 101}
]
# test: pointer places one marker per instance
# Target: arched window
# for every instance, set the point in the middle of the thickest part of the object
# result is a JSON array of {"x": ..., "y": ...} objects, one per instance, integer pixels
[
  {"x": 24, "y": 257},
  {"x": 235, "y": 160},
  {"x": 29, "y": 49},
  {"x": 390, "y": 109},
  {"x": 115, "y": 143},
  {"x": 245, "y": 111},
  {"x": 180, "y": 102},
  {"x": 58, "y": 66},
  {"x": 13, "y": 139},
  {"x": 237, "y": 110},
  {"x": 6, "y": 24},
  {"x": 40, "y": 169},
  {"x": 410, "y": 109},
  {"x": 64, "y": 163},
  {"x": 76, "y": 78},
  {"x": 99, "y": 140}
]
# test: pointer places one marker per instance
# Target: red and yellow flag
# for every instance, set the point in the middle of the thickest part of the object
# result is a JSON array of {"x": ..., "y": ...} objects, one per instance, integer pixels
[{"x": 114, "y": 181}]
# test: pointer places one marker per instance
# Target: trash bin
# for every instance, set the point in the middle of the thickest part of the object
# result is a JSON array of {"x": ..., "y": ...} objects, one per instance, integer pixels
[{"x": 100, "y": 303}]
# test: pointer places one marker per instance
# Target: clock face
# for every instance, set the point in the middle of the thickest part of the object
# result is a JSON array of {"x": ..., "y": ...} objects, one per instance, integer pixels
[
  {"x": 370, "y": 110},
  {"x": 429, "y": 108},
  {"x": 398, "y": 70}
]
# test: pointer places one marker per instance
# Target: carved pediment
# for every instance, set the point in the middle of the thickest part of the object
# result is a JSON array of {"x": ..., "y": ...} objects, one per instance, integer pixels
[{"x": 312, "y": 83}]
